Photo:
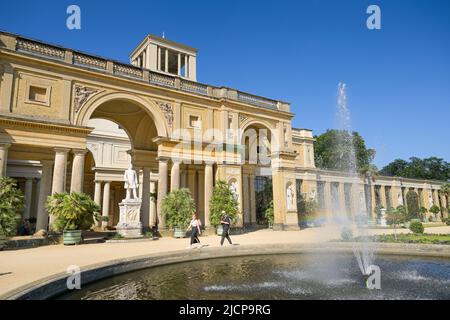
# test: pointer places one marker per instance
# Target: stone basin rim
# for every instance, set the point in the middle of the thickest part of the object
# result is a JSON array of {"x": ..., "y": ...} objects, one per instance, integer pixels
[{"x": 55, "y": 285}]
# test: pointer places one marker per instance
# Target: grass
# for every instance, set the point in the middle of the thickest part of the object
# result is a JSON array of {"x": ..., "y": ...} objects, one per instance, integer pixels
[{"x": 411, "y": 238}]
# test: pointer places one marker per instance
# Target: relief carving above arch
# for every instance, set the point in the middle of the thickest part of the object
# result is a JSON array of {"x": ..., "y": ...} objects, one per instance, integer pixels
[{"x": 81, "y": 95}]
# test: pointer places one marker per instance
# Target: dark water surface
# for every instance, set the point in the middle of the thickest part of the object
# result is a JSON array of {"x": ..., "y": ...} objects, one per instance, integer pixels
[{"x": 293, "y": 276}]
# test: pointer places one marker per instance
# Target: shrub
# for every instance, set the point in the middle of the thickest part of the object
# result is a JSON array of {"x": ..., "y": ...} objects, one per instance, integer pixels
[
  {"x": 346, "y": 234},
  {"x": 423, "y": 213},
  {"x": 447, "y": 221},
  {"x": 222, "y": 200},
  {"x": 416, "y": 227},
  {"x": 178, "y": 207},
  {"x": 11, "y": 204},
  {"x": 74, "y": 211}
]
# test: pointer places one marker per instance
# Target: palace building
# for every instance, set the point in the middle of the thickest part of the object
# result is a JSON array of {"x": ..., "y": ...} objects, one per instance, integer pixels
[{"x": 72, "y": 121}]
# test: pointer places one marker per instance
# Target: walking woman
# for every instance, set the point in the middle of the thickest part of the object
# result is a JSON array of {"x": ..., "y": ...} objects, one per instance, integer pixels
[
  {"x": 226, "y": 224},
  {"x": 194, "y": 227}
]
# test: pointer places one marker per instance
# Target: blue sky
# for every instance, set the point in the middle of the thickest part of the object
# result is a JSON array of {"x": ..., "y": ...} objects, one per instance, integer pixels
[{"x": 398, "y": 78}]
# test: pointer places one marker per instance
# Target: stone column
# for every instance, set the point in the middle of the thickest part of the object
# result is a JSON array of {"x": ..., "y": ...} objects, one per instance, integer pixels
[
  {"x": 328, "y": 201},
  {"x": 105, "y": 206},
  {"x": 253, "y": 199},
  {"x": 175, "y": 176},
  {"x": 209, "y": 185},
  {"x": 3, "y": 158},
  {"x": 162, "y": 191},
  {"x": 44, "y": 191},
  {"x": 245, "y": 198},
  {"x": 145, "y": 208},
  {"x": 28, "y": 198},
  {"x": 60, "y": 170},
  {"x": 98, "y": 192},
  {"x": 77, "y": 181},
  {"x": 342, "y": 207},
  {"x": 152, "y": 205}
]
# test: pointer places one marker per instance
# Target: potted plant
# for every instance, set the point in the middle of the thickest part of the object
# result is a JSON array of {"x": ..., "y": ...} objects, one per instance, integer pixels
[
  {"x": 11, "y": 204},
  {"x": 178, "y": 207},
  {"x": 222, "y": 199},
  {"x": 269, "y": 214},
  {"x": 74, "y": 213},
  {"x": 423, "y": 213},
  {"x": 435, "y": 210}
]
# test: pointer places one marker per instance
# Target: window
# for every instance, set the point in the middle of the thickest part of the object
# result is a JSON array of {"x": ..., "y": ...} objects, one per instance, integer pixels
[
  {"x": 194, "y": 122},
  {"x": 37, "y": 94}
]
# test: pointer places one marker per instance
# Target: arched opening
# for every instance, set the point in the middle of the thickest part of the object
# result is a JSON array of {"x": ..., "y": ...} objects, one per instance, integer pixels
[
  {"x": 256, "y": 142},
  {"x": 122, "y": 130}
]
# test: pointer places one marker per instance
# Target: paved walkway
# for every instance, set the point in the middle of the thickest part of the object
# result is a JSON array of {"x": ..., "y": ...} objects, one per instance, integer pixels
[{"x": 20, "y": 267}]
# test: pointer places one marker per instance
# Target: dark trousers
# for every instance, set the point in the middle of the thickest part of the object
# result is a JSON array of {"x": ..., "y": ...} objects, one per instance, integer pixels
[
  {"x": 194, "y": 235},
  {"x": 225, "y": 234}
]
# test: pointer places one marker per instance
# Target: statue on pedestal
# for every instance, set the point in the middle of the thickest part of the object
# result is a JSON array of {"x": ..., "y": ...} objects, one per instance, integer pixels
[
  {"x": 290, "y": 198},
  {"x": 129, "y": 225},
  {"x": 131, "y": 182}
]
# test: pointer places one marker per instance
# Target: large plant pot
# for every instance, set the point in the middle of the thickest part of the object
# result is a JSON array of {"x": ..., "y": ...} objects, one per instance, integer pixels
[
  {"x": 179, "y": 232},
  {"x": 71, "y": 237},
  {"x": 219, "y": 230}
]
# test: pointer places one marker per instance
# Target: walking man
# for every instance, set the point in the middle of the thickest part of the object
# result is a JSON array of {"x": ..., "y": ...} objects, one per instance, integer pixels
[{"x": 226, "y": 224}]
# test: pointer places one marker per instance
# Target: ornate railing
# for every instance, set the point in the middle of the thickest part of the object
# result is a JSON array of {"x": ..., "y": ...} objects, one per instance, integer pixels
[
  {"x": 257, "y": 101},
  {"x": 128, "y": 70},
  {"x": 194, "y": 87},
  {"x": 89, "y": 61},
  {"x": 162, "y": 80},
  {"x": 125, "y": 70},
  {"x": 40, "y": 49}
]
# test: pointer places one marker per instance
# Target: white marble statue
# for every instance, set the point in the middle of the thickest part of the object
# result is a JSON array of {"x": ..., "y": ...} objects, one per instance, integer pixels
[
  {"x": 289, "y": 198},
  {"x": 362, "y": 205},
  {"x": 233, "y": 189},
  {"x": 399, "y": 199},
  {"x": 131, "y": 183},
  {"x": 430, "y": 199},
  {"x": 312, "y": 195}
]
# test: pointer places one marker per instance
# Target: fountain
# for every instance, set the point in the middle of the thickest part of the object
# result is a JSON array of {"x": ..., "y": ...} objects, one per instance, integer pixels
[{"x": 364, "y": 252}]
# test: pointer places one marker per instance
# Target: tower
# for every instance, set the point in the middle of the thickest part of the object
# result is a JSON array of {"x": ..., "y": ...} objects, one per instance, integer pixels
[{"x": 161, "y": 55}]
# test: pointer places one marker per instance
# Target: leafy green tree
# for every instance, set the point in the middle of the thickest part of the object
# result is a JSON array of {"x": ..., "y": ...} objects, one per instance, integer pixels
[
  {"x": 11, "y": 204},
  {"x": 430, "y": 168},
  {"x": 334, "y": 150},
  {"x": 395, "y": 217},
  {"x": 435, "y": 210},
  {"x": 222, "y": 199},
  {"x": 178, "y": 207},
  {"x": 74, "y": 211}
]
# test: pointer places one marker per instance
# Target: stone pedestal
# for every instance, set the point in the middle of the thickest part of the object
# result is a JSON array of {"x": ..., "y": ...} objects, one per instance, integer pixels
[{"x": 129, "y": 225}]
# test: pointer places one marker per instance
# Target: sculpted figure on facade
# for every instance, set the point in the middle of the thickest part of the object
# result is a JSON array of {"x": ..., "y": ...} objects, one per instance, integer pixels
[{"x": 289, "y": 198}]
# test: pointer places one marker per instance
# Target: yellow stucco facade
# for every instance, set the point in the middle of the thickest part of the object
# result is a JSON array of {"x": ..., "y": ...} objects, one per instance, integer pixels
[{"x": 179, "y": 133}]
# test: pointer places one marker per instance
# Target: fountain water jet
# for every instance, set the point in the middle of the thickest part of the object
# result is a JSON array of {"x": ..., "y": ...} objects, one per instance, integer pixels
[{"x": 364, "y": 251}]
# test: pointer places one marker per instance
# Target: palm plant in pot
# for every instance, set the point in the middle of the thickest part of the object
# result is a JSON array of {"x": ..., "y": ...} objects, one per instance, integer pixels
[
  {"x": 74, "y": 213},
  {"x": 178, "y": 207},
  {"x": 223, "y": 199}
]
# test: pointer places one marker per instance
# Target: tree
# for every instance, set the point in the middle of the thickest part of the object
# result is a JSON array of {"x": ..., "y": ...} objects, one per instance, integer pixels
[
  {"x": 11, "y": 204},
  {"x": 339, "y": 150},
  {"x": 223, "y": 199},
  {"x": 430, "y": 168},
  {"x": 435, "y": 210},
  {"x": 74, "y": 211},
  {"x": 395, "y": 217},
  {"x": 178, "y": 207}
]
